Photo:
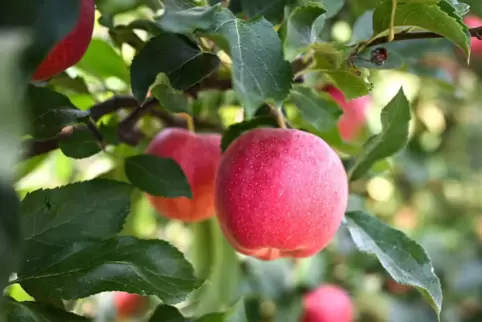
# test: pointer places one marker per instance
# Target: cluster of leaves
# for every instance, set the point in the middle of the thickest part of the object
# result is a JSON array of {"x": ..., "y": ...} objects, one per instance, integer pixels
[{"x": 64, "y": 243}]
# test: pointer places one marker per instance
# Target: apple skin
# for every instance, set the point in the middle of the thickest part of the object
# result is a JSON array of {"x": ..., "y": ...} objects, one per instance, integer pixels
[
  {"x": 72, "y": 47},
  {"x": 198, "y": 155},
  {"x": 396, "y": 288},
  {"x": 328, "y": 303},
  {"x": 280, "y": 193},
  {"x": 473, "y": 21},
  {"x": 354, "y": 115},
  {"x": 128, "y": 305}
]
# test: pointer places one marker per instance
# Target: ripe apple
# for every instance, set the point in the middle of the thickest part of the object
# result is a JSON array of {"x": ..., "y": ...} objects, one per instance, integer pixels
[
  {"x": 128, "y": 305},
  {"x": 328, "y": 303},
  {"x": 354, "y": 115},
  {"x": 473, "y": 21},
  {"x": 280, "y": 193},
  {"x": 72, "y": 47},
  {"x": 198, "y": 156},
  {"x": 396, "y": 288}
]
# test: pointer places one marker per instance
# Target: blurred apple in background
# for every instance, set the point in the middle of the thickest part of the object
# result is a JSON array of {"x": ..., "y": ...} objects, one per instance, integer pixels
[
  {"x": 473, "y": 21},
  {"x": 328, "y": 303},
  {"x": 129, "y": 305},
  {"x": 70, "y": 50},
  {"x": 354, "y": 117},
  {"x": 475, "y": 63},
  {"x": 198, "y": 155}
]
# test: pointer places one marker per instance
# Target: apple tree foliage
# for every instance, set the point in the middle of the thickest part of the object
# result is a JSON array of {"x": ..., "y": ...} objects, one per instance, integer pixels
[{"x": 65, "y": 243}]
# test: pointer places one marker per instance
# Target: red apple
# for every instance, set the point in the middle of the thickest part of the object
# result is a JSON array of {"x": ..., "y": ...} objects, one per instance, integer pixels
[
  {"x": 128, "y": 305},
  {"x": 396, "y": 288},
  {"x": 473, "y": 21},
  {"x": 328, "y": 303},
  {"x": 198, "y": 156},
  {"x": 280, "y": 193},
  {"x": 71, "y": 48},
  {"x": 354, "y": 115}
]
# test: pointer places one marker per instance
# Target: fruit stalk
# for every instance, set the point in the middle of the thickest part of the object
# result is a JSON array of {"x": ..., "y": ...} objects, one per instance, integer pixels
[
  {"x": 278, "y": 114},
  {"x": 189, "y": 121}
]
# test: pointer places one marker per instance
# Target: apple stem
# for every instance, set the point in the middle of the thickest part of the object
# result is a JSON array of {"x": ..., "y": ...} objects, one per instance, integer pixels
[
  {"x": 280, "y": 119},
  {"x": 189, "y": 121}
]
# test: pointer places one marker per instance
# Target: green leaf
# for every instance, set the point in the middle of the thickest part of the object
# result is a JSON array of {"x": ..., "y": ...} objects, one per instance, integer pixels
[
  {"x": 394, "y": 60},
  {"x": 166, "y": 313},
  {"x": 90, "y": 209},
  {"x": 420, "y": 1},
  {"x": 81, "y": 144},
  {"x": 475, "y": 6},
  {"x": 332, "y": 7},
  {"x": 404, "y": 259},
  {"x": 83, "y": 268},
  {"x": 235, "y": 130},
  {"x": 317, "y": 108},
  {"x": 121, "y": 34},
  {"x": 330, "y": 56},
  {"x": 300, "y": 30},
  {"x": 260, "y": 71},
  {"x": 331, "y": 59},
  {"x": 235, "y": 6},
  {"x": 395, "y": 120},
  {"x": 157, "y": 176},
  {"x": 215, "y": 261},
  {"x": 50, "y": 112},
  {"x": 272, "y": 10},
  {"x": 176, "y": 56},
  {"x": 110, "y": 132},
  {"x": 37, "y": 312},
  {"x": 102, "y": 60},
  {"x": 110, "y": 8},
  {"x": 213, "y": 317},
  {"x": 363, "y": 27},
  {"x": 183, "y": 16},
  {"x": 66, "y": 83},
  {"x": 10, "y": 233},
  {"x": 461, "y": 8},
  {"x": 169, "y": 98},
  {"x": 352, "y": 85},
  {"x": 433, "y": 17},
  {"x": 236, "y": 313}
]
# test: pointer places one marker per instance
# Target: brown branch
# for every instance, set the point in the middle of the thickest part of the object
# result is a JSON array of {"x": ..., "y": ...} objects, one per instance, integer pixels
[
  {"x": 474, "y": 32},
  {"x": 128, "y": 133},
  {"x": 112, "y": 105},
  {"x": 33, "y": 148},
  {"x": 210, "y": 82},
  {"x": 299, "y": 65}
]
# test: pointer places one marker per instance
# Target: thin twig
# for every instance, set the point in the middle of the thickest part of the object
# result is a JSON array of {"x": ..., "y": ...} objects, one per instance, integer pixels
[
  {"x": 474, "y": 32},
  {"x": 112, "y": 105},
  {"x": 128, "y": 133},
  {"x": 300, "y": 64},
  {"x": 96, "y": 133}
]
